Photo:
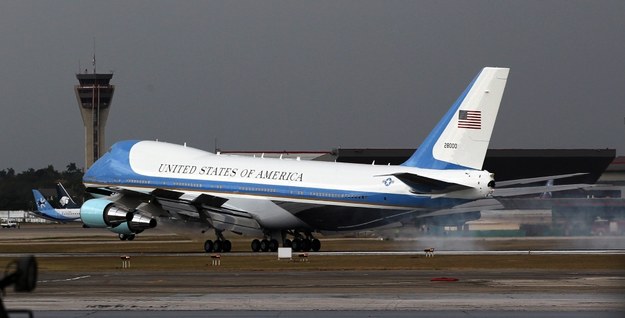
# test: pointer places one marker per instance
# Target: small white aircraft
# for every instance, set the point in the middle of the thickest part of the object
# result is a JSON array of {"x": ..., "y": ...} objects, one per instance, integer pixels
[
  {"x": 285, "y": 201},
  {"x": 46, "y": 211}
]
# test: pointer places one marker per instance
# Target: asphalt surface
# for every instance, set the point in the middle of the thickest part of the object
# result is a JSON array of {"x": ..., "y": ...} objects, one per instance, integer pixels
[
  {"x": 331, "y": 293},
  {"x": 328, "y": 313},
  {"x": 396, "y": 290}
]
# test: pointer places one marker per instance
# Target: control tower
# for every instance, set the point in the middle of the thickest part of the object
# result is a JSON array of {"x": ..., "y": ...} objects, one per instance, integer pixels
[{"x": 94, "y": 94}]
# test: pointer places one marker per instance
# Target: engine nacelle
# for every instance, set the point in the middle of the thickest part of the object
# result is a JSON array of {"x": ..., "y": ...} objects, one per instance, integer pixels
[
  {"x": 137, "y": 225},
  {"x": 140, "y": 222},
  {"x": 101, "y": 213}
]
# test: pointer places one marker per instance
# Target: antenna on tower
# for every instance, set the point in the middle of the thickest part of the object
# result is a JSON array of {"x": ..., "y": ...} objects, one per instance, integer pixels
[{"x": 94, "y": 69}]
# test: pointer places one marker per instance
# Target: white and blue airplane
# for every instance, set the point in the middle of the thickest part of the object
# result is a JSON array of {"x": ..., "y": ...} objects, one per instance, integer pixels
[
  {"x": 285, "y": 201},
  {"x": 46, "y": 211}
]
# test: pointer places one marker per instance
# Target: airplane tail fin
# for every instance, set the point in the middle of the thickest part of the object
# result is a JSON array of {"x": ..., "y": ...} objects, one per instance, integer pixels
[
  {"x": 42, "y": 204},
  {"x": 65, "y": 199},
  {"x": 461, "y": 137}
]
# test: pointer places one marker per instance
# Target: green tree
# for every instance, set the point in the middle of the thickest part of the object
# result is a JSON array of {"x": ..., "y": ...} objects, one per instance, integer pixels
[{"x": 15, "y": 189}]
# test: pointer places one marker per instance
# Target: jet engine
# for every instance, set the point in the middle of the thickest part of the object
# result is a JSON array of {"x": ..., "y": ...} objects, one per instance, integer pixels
[{"x": 101, "y": 213}]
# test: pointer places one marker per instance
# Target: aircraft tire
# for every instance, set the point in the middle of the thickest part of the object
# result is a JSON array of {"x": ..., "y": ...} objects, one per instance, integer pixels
[
  {"x": 255, "y": 245},
  {"x": 297, "y": 245},
  {"x": 287, "y": 243},
  {"x": 131, "y": 237},
  {"x": 218, "y": 247},
  {"x": 306, "y": 245},
  {"x": 226, "y": 246},
  {"x": 208, "y": 246},
  {"x": 123, "y": 237},
  {"x": 315, "y": 245},
  {"x": 273, "y": 245},
  {"x": 264, "y": 245}
]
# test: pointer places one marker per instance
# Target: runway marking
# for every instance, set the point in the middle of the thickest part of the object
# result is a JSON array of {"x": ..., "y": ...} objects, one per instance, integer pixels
[{"x": 63, "y": 280}]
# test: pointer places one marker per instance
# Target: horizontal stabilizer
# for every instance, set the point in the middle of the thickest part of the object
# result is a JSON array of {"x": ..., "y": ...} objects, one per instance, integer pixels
[
  {"x": 510, "y": 192},
  {"x": 508, "y": 183},
  {"x": 424, "y": 185}
]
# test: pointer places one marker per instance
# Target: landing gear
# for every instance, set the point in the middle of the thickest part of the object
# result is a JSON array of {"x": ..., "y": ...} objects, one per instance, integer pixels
[
  {"x": 265, "y": 245},
  {"x": 255, "y": 245},
  {"x": 315, "y": 245},
  {"x": 305, "y": 243},
  {"x": 273, "y": 245},
  {"x": 126, "y": 237},
  {"x": 300, "y": 243},
  {"x": 219, "y": 245},
  {"x": 287, "y": 243}
]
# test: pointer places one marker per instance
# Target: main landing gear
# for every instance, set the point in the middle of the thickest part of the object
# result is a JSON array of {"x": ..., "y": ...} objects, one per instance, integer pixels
[
  {"x": 265, "y": 245},
  {"x": 305, "y": 244},
  {"x": 126, "y": 237},
  {"x": 219, "y": 245},
  {"x": 299, "y": 243}
]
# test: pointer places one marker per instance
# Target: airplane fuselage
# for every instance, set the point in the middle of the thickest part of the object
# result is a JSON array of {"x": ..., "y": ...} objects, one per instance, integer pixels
[{"x": 350, "y": 195}]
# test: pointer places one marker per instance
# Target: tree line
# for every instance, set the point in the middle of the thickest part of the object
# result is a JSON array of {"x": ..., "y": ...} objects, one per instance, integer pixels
[{"x": 15, "y": 188}]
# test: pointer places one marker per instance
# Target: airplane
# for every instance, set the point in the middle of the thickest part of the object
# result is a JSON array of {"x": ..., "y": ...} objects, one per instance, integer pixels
[
  {"x": 46, "y": 211},
  {"x": 275, "y": 199},
  {"x": 65, "y": 200}
]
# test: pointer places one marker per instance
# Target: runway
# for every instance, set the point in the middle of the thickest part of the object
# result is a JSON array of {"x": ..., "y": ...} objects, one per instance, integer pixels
[
  {"x": 327, "y": 313},
  {"x": 295, "y": 291},
  {"x": 393, "y": 290}
]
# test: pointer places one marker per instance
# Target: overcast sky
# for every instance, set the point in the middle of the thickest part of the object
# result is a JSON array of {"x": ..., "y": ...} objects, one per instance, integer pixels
[{"x": 307, "y": 75}]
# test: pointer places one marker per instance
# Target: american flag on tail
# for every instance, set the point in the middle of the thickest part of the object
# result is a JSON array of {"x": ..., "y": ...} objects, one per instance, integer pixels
[{"x": 470, "y": 119}]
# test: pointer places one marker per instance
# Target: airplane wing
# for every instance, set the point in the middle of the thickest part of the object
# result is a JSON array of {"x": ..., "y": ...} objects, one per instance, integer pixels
[{"x": 188, "y": 206}]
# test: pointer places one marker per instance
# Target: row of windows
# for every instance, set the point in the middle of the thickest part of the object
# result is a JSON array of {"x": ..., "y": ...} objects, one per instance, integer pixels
[
  {"x": 187, "y": 185},
  {"x": 252, "y": 189},
  {"x": 334, "y": 195},
  {"x": 137, "y": 181}
]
